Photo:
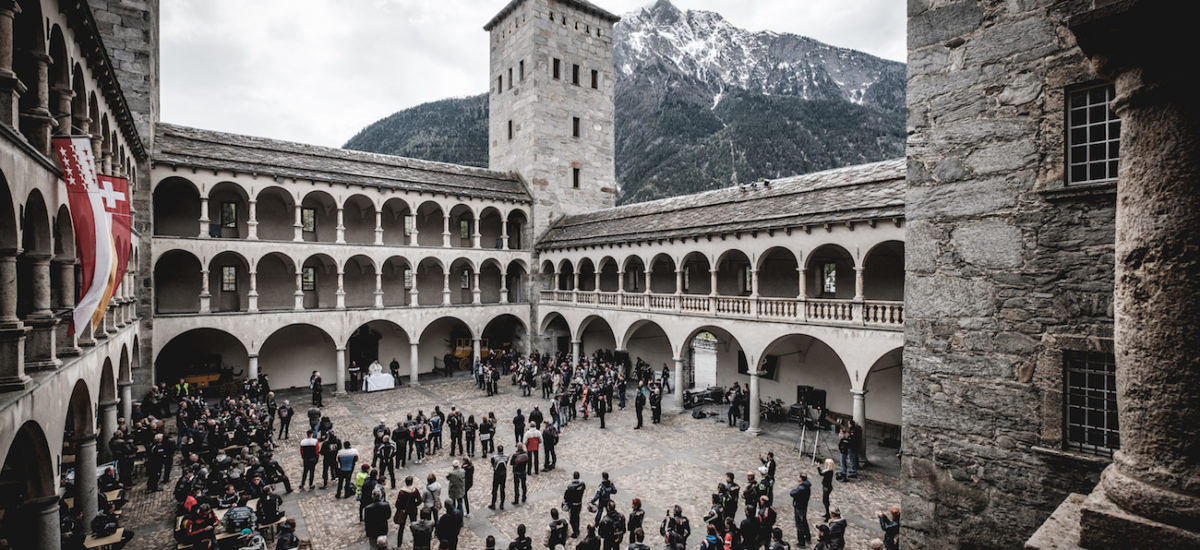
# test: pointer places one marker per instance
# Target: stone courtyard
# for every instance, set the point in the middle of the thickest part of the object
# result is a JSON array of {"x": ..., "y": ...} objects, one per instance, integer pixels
[{"x": 679, "y": 461}]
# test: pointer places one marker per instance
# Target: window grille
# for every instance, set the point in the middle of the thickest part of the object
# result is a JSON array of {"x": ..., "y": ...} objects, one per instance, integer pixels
[
  {"x": 1090, "y": 382},
  {"x": 229, "y": 278},
  {"x": 1093, "y": 135},
  {"x": 830, "y": 274},
  {"x": 308, "y": 279}
]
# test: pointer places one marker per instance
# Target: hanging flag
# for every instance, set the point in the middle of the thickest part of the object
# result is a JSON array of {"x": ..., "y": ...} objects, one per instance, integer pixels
[
  {"x": 93, "y": 236},
  {"x": 114, "y": 196}
]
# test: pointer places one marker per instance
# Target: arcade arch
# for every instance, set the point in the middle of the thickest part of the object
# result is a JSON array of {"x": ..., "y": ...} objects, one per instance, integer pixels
[
  {"x": 176, "y": 208},
  {"x": 177, "y": 283},
  {"x": 291, "y": 353},
  {"x": 275, "y": 212},
  {"x": 208, "y": 353}
]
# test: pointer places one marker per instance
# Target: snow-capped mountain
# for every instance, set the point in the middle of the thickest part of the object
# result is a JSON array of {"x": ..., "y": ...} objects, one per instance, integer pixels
[
  {"x": 702, "y": 47},
  {"x": 701, "y": 104}
]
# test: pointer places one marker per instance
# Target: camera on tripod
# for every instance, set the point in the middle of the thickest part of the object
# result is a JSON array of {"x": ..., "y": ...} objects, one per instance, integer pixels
[{"x": 809, "y": 408}]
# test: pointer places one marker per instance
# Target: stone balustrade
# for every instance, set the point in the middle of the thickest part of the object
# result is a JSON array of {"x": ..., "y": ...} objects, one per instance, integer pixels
[{"x": 873, "y": 313}]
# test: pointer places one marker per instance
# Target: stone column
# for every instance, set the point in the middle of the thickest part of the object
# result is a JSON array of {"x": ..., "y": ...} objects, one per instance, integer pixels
[
  {"x": 677, "y": 384},
  {"x": 204, "y": 221},
  {"x": 446, "y": 231},
  {"x": 554, "y": 282},
  {"x": 108, "y": 425},
  {"x": 84, "y": 334},
  {"x": 476, "y": 293},
  {"x": 575, "y": 347},
  {"x": 754, "y": 429},
  {"x": 299, "y": 294},
  {"x": 753, "y": 291},
  {"x": 858, "y": 283},
  {"x": 445, "y": 287},
  {"x": 504, "y": 235},
  {"x": 10, "y": 86},
  {"x": 414, "y": 295},
  {"x": 340, "y": 365},
  {"x": 341, "y": 290},
  {"x": 712, "y": 281},
  {"x": 252, "y": 221},
  {"x": 860, "y": 418},
  {"x": 40, "y": 348},
  {"x": 802, "y": 296},
  {"x": 298, "y": 226},
  {"x": 476, "y": 347},
  {"x": 46, "y": 527},
  {"x": 575, "y": 281},
  {"x": 620, "y": 281},
  {"x": 379, "y": 289},
  {"x": 253, "y": 367},
  {"x": 412, "y": 231},
  {"x": 378, "y": 227},
  {"x": 204, "y": 295},
  {"x": 475, "y": 236},
  {"x": 646, "y": 276},
  {"x": 62, "y": 109},
  {"x": 252, "y": 295},
  {"x": 1150, "y": 496},
  {"x": 38, "y": 116},
  {"x": 85, "y": 477},
  {"x": 596, "y": 288},
  {"x": 341, "y": 227},
  {"x": 414, "y": 365},
  {"x": 126, "y": 389},
  {"x": 678, "y": 282}
]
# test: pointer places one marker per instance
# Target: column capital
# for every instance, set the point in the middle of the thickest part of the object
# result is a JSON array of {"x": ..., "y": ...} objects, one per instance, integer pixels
[
  {"x": 252, "y": 355},
  {"x": 124, "y": 383},
  {"x": 107, "y": 404},
  {"x": 86, "y": 439},
  {"x": 858, "y": 392}
]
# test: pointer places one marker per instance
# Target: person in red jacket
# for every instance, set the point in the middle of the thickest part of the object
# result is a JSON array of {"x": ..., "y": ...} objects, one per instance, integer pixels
[{"x": 201, "y": 530}]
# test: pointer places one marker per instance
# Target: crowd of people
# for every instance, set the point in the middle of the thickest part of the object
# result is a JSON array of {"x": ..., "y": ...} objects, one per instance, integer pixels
[{"x": 224, "y": 450}]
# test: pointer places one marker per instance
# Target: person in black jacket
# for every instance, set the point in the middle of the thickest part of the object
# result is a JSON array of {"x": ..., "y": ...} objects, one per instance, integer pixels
[
  {"x": 499, "y": 475},
  {"x": 589, "y": 541},
  {"x": 449, "y": 525},
  {"x": 612, "y": 527},
  {"x": 573, "y": 498},
  {"x": 639, "y": 404},
  {"x": 422, "y": 530},
  {"x": 800, "y": 497},
  {"x": 636, "y": 516},
  {"x": 826, "y": 483},
  {"x": 556, "y": 532},
  {"x": 519, "y": 425},
  {"x": 890, "y": 523},
  {"x": 522, "y": 542}
]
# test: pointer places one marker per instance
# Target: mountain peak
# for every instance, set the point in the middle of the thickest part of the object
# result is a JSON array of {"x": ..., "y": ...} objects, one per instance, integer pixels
[{"x": 662, "y": 12}]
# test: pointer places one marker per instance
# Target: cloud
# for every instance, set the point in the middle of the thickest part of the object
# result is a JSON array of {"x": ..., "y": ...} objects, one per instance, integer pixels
[{"x": 317, "y": 71}]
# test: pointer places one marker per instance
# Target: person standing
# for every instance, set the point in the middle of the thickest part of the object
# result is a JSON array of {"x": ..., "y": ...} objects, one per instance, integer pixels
[
  {"x": 639, "y": 405},
  {"x": 376, "y": 516},
  {"x": 601, "y": 408},
  {"x": 394, "y": 366},
  {"x": 603, "y": 495},
  {"x": 636, "y": 517},
  {"x": 422, "y": 531},
  {"x": 469, "y": 430},
  {"x": 449, "y": 526},
  {"x": 826, "y": 483},
  {"x": 455, "y": 423},
  {"x": 890, "y": 523},
  {"x": 431, "y": 496},
  {"x": 456, "y": 482},
  {"x": 549, "y": 440},
  {"x": 156, "y": 456},
  {"x": 533, "y": 440},
  {"x": 346, "y": 459},
  {"x": 386, "y": 452},
  {"x": 308, "y": 457},
  {"x": 286, "y": 412},
  {"x": 468, "y": 481},
  {"x": 314, "y": 418},
  {"x": 314, "y": 383},
  {"x": 519, "y": 463},
  {"x": 518, "y": 426},
  {"x": 487, "y": 435},
  {"x": 401, "y": 436},
  {"x": 573, "y": 498},
  {"x": 330, "y": 447},
  {"x": 499, "y": 476},
  {"x": 408, "y": 501},
  {"x": 666, "y": 379},
  {"x": 800, "y": 495}
]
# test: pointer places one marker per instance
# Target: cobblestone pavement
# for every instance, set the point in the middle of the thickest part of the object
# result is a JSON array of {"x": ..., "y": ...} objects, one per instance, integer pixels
[{"x": 679, "y": 461}]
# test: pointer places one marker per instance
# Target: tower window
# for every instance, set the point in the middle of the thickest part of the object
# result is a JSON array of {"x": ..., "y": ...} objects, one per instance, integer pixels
[
  {"x": 575, "y": 178},
  {"x": 510, "y": 78},
  {"x": 308, "y": 279},
  {"x": 552, "y": 16},
  {"x": 557, "y": 68},
  {"x": 1091, "y": 402},
  {"x": 308, "y": 220},
  {"x": 575, "y": 126},
  {"x": 829, "y": 276},
  {"x": 499, "y": 83},
  {"x": 595, "y": 79},
  {"x": 510, "y": 130},
  {"x": 1093, "y": 135},
  {"x": 575, "y": 74},
  {"x": 408, "y": 279},
  {"x": 521, "y": 70}
]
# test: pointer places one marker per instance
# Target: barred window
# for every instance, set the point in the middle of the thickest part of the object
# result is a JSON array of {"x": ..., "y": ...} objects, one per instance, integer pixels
[
  {"x": 229, "y": 217},
  {"x": 1091, "y": 402},
  {"x": 308, "y": 220},
  {"x": 1093, "y": 135},
  {"x": 829, "y": 277},
  {"x": 408, "y": 279}
]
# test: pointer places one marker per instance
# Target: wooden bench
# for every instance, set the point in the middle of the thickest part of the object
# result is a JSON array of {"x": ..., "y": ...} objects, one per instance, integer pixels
[
  {"x": 92, "y": 541},
  {"x": 268, "y": 529}
]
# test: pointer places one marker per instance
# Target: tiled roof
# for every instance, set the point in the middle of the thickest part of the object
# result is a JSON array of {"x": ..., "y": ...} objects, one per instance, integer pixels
[
  {"x": 862, "y": 192},
  {"x": 581, "y": 5},
  {"x": 192, "y": 147}
]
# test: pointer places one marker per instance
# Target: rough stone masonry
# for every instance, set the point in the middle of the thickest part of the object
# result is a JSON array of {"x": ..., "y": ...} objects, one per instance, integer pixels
[{"x": 1008, "y": 268}]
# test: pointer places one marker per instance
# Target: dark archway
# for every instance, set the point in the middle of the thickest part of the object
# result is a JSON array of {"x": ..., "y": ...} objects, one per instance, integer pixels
[
  {"x": 505, "y": 333},
  {"x": 800, "y": 359},
  {"x": 778, "y": 274},
  {"x": 830, "y": 273},
  {"x": 228, "y": 212},
  {"x": 28, "y": 474},
  {"x": 208, "y": 357},
  {"x": 883, "y": 272},
  {"x": 176, "y": 208},
  {"x": 177, "y": 283},
  {"x": 445, "y": 341},
  {"x": 290, "y": 354},
  {"x": 229, "y": 282},
  {"x": 555, "y": 333},
  {"x": 276, "y": 282},
  {"x": 397, "y": 222},
  {"x": 318, "y": 217},
  {"x": 318, "y": 282},
  {"x": 275, "y": 212},
  {"x": 380, "y": 340}
]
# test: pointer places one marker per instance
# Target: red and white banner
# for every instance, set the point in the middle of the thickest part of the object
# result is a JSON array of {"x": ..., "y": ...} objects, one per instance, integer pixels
[
  {"x": 93, "y": 229},
  {"x": 114, "y": 195}
]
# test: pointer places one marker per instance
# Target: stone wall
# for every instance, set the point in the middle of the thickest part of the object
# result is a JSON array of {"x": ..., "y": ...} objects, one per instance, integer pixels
[
  {"x": 542, "y": 148},
  {"x": 1007, "y": 267}
]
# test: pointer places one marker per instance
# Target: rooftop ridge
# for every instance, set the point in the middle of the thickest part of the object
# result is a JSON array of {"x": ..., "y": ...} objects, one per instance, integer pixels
[
  {"x": 265, "y": 143},
  {"x": 581, "y": 5}
]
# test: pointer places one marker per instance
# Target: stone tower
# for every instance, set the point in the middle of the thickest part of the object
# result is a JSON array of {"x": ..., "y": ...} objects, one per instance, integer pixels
[{"x": 551, "y": 104}]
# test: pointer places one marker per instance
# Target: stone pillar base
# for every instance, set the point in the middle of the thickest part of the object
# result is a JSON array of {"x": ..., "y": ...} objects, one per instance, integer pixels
[
  {"x": 1103, "y": 525},
  {"x": 39, "y": 345}
]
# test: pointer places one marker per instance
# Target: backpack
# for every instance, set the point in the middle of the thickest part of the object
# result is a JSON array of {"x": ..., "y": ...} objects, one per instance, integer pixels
[
  {"x": 558, "y": 532},
  {"x": 270, "y": 508},
  {"x": 238, "y": 518}
]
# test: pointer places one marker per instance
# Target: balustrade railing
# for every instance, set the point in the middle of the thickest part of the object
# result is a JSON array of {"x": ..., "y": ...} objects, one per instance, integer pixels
[
  {"x": 871, "y": 312},
  {"x": 883, "y": 313}
]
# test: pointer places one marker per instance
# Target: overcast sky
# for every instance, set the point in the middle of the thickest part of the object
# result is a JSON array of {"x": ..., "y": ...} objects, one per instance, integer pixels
[{"x": 317, "y": 71}]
